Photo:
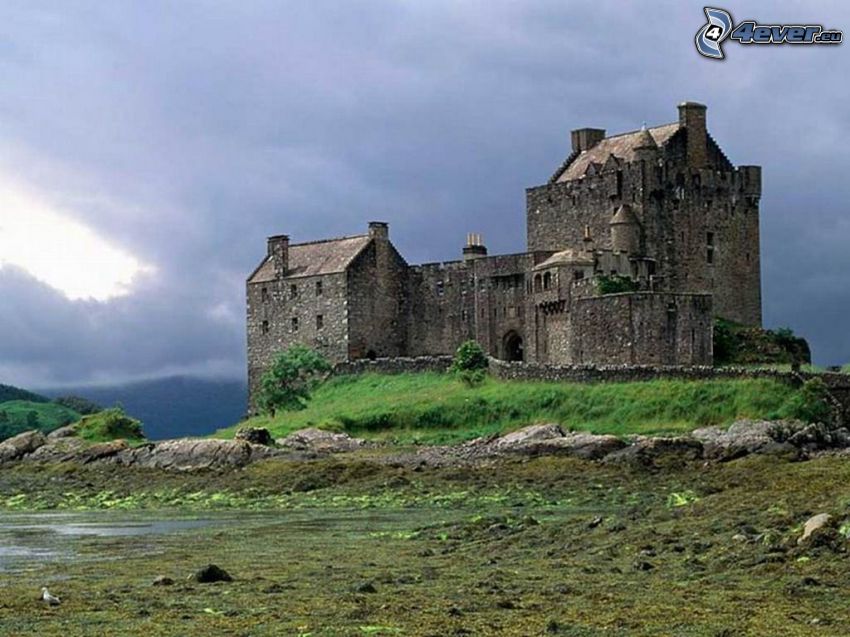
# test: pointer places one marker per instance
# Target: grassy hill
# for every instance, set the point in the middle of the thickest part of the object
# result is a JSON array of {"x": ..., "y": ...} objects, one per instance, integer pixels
[
  {"x": 17, "y": 416},
  {"x": 437, "y": 408}
]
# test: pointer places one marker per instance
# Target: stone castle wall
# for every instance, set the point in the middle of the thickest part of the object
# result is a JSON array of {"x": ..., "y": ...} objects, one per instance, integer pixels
[
  {"x": 282, "y": 313},
  {"x": 647, "y": 327}
]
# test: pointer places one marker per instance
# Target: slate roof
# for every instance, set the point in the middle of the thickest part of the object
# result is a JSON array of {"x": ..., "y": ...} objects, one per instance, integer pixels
[
  {"x": 622, "y": 146},
  {"x": 315, "y": 258},
  {"x": 567, "y": 257}
]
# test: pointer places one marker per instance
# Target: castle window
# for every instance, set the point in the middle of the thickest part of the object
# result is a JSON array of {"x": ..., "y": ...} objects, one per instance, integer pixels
[
  {"x": 482, "y": 285},
  {"x": 318, "y": 288},
  {"x": 294, "y": 323},
  {"x": 320, "y": 321},
  {"x": 547, "y": 280},
  {"x": 265, "y": 327},
  {"x": 441, "y": 288},
  {"x": 264, "y": 295},
  {"x": 709, "y": 238},
  {"x": 709, "y": 253},
  {"x": 538, "y": 283},
  {"x": 293, "y": 291},
  {"x": 748, "y": 257},
  {"x": 578, "y": 275}
]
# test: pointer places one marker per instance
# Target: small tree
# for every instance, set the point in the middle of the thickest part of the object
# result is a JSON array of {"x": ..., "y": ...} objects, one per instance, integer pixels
[
  {"x": 293, "y": 375},
  {"x": 32, "y": 420},
  {"x": 470, "y": 363}
]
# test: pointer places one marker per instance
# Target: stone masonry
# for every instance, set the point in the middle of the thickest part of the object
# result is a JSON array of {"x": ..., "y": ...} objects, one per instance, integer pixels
[{"x": 661, "y": 209}]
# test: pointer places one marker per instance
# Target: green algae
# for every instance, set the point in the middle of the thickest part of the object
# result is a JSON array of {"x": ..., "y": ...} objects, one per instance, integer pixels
[{"x": 549, "y": 546}]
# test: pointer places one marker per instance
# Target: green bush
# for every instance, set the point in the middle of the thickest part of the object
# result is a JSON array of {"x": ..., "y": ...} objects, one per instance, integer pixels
[
  {"x": 811, "y": 403},
  {"x": 110, "y": 424},
  {"x": 470, "y": 363},
  {"x": 615, "y": 284},
  {"x": 286, "y": 386}
]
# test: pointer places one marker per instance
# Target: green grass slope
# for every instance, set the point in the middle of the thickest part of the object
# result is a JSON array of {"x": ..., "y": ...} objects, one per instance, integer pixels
[
  {"x": 15, "y": 417},
  {"x": 436, "y": 408}
]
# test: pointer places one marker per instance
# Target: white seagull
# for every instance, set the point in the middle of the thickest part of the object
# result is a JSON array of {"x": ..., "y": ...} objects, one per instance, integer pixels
[{"x": 51, "y": 600}]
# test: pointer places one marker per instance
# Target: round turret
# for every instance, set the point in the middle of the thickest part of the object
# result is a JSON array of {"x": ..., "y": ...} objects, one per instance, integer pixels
[{"x": 625, "y": 230}]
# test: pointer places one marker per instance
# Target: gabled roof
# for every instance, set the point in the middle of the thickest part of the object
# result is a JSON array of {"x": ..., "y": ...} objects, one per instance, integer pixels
[
  {"x": 621, "y": 146},
  {"x": 315, "y": 258}
]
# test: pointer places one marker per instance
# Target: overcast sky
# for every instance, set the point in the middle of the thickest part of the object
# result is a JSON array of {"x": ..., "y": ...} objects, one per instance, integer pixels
[{"x": 148, "y": 148}]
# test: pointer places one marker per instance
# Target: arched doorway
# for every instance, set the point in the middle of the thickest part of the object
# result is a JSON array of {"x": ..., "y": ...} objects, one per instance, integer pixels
[{"x": 512, "y": 345}]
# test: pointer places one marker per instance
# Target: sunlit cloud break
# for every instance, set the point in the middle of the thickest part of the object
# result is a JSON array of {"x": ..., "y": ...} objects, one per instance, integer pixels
[{"x": 60, "y": 251}]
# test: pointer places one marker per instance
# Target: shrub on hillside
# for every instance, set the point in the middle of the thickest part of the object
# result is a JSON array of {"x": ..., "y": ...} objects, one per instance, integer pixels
[
  {"x": 286, "y": 386},
  {"x": 470, "y": 363},
  {"x": 110, "y": 424},
  {"x": 811, "y": 403}
]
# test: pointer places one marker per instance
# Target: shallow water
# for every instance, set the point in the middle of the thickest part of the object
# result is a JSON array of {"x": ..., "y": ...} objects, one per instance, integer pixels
[
  {"x": 31, "y": 541},
  {"x": 27, "y": 541}
]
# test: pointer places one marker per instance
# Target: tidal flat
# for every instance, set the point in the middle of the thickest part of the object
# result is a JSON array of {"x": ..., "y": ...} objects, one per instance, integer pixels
[{"x": 351, "y": 546}]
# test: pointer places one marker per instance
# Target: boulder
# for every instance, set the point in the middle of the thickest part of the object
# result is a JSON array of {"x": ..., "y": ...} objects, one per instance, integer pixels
[
  {"x": 57, "y": 450},
  {"x": 63, "y": 432},
  {"x": 743, "y": 437},
  {"x": 550, "y": 439},
  {"x": 654, "y": 451},
  {"x": 814, "y": 526},
  {"x": 780, "y": 437},
  {"x": 192, "y": 453},
  {"x": 318, "y": 440},
  {"x": 254, "y": 435},
  {"x": 528, "y": 436},
  {"x": 18, "y": 446},
  {"x": 101, "y": 450},
  {"x": 586, "y": 445},
  {"x": 211, "y": 573}
]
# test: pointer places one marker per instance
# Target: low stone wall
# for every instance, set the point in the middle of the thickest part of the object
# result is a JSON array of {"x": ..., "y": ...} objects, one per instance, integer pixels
[
  {"x": 632, "y": 373},
  {"x": 839, "y": 384},
  {"x": 400, "y": 365}
]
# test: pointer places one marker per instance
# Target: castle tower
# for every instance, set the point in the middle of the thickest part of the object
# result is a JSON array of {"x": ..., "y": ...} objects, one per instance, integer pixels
[{"x": 625, "y": 230}]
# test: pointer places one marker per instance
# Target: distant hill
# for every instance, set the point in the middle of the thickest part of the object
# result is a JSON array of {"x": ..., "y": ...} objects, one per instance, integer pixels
[
  {"x": 170, "y": 407},
  {"x": 17, "y": 416},
  {"x": 7, "y": 393}
]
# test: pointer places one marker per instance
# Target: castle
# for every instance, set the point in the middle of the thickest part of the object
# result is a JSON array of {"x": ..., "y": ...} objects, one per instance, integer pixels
[{"x": 633, "y": 245}]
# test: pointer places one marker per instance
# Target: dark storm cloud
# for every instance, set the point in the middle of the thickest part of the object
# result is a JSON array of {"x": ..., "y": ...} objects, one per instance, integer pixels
[{"x": 187, "y": 132}]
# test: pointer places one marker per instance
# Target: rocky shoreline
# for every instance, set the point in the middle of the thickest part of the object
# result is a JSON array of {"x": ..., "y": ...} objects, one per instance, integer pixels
[{"x": 792, "y": 440}]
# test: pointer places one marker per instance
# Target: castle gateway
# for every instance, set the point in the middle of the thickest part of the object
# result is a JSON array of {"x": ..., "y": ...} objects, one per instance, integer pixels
[{"x": 658, "y": 218}]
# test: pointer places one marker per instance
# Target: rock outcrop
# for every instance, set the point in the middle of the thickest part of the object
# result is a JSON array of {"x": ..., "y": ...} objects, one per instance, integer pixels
[
  {"x": 19, "y": 446},
  {"x": 193, "y": 453},
  {"x": 320, "y": 441}
]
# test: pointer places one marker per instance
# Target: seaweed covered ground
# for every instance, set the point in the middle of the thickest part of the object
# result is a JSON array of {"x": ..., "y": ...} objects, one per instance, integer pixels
[{"x": 350, "y": 546}]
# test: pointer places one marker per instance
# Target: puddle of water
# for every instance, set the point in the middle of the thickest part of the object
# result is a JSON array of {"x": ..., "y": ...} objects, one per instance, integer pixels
[{"x": 31, "y": 540}]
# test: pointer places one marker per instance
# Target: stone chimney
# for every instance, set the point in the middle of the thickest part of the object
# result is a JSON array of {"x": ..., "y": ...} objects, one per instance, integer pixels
[
  {"x": 475, "y": 248},
  {"x": 279, "y": 252},
  {"x": 379, "y": 230},
  {"x": 586, "y": 138},
  {"x": 692, "y": 119}
]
